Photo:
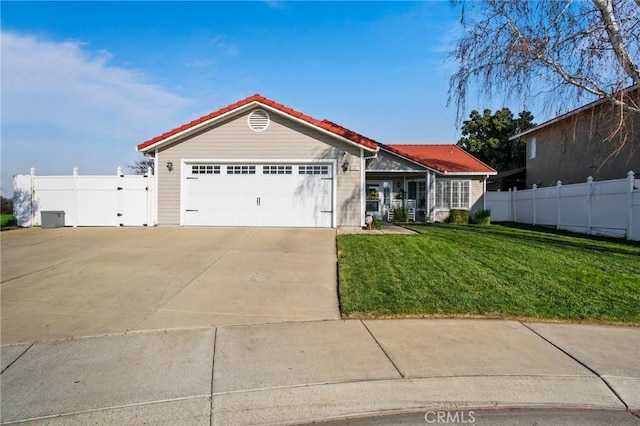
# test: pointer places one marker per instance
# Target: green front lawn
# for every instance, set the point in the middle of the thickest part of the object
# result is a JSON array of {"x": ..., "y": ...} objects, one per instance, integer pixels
[
  {"x": 7, "y": 220},
  {"x": 460, "y": 270}
]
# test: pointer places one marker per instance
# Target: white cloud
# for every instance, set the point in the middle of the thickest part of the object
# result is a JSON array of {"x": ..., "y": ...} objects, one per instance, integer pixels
[
  {"x": 64, "y": 105},
  {"x": 67, "y": 86}
]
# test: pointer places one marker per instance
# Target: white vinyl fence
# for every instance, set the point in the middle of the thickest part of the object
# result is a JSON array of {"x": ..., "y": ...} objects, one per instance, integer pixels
[
  {"x": 120, "y": 200},
  {"x": 609, "y": 208}
]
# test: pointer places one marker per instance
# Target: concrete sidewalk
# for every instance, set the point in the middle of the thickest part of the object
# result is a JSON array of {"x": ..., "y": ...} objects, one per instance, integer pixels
[{"x": 297, "y": 372}]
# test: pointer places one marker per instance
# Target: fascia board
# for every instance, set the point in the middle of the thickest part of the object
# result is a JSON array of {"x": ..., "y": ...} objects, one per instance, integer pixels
[{"x": 238, "y": 111}]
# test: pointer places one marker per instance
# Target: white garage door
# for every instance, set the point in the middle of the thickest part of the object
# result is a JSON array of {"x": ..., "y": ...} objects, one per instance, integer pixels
[{"x": 297, "y": 195}]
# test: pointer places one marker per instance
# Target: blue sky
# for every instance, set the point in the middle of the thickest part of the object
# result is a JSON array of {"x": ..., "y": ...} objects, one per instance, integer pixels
[{"x": 84, "y": 83}]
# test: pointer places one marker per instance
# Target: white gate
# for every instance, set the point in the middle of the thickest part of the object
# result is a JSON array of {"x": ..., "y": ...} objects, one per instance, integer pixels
[{"x": 86, "y": 200}]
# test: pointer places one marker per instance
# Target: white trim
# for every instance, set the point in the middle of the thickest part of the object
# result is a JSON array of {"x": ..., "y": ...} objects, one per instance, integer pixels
[
  {"x": 259, "y": 161},
  {"x": 183, "y": 168},
  {"x": 333, "y": 162},
  {"x": 156, "y": 175},
  {"x": 468, "y": 173},
  {"x": 427, "y": 196},
  {"x": 435, "y": 198},
  {"x": 363, "y": 184},
  {"x": 417, "y": 172},
  {"x": 484, "y": 193},
  {"x": 334, "y": 194},
  {"x": 240, "y": 110}
]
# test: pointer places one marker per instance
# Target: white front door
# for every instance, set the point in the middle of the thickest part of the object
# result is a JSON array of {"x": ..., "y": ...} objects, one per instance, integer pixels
[{"x": 296, "y": 195}]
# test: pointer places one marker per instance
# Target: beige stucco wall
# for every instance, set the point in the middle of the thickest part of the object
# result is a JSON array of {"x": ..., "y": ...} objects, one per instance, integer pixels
[
  {"x": 284, "y": 139},
  {"x": 577, "y": 147}
]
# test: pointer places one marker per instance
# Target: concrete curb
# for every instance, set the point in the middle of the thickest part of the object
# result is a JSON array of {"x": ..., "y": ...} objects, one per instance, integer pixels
[{"x": 301, "y": 372}]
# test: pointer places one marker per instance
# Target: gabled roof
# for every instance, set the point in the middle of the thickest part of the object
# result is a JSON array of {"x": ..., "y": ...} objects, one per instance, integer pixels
[
  {"x": 444, "y": 158},
  {"x": 324, "y": 125},
  {"x": 441, "y": 158},
  {"x": 573, "y": 112}
]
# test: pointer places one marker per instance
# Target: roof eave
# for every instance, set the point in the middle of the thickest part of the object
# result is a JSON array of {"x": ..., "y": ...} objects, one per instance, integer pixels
[
  {"x": 390, "y": 151},
  {"x": 470, "y": 173},
  {"x": 196, "y": 128},
  {"x": 320, "y": 129},
  {"x": 442, "y": 172},
  {"x": 568, "y": 114},
  {"x": 240, "y": 109}
]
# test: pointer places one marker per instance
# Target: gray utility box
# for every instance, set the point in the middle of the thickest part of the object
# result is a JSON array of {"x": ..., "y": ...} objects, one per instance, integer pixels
[{"x": 52, "y": 219}]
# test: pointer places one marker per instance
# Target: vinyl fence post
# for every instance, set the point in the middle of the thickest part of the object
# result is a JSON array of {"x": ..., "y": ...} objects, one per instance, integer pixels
[
  {"x": 76, "y": 203},
  {"x": 589, "y": 202},
  {"x": 535, "y": 209},
  {"x": 515, "y": 204},
  {"x": 510, "y": 206},
  {"x": 559, "y": 199},
  {"x": 32, "y": 191},
  {"x": 149, "y": 196},
  {"x": 630, "y": 183},
  {"x": 119, "y": 196}
]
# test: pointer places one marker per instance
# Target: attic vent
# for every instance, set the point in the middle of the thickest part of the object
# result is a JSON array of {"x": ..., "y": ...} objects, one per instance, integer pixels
[{"x": 258, "y": 120}]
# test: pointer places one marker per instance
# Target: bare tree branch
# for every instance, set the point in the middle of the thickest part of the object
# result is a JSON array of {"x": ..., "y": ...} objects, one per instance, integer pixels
[
  {"x": 569, "y": 51},
  {"x": 544, "y": 41},
  {"x": 615, "y": 36}
]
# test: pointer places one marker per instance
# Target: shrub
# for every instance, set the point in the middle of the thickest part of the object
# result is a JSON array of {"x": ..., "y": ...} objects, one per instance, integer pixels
[
  {"x": 458, "y": 216},
  {"x": 377, "y": 223},
  {"x": 7, "y": 220},
  {"x": 481, "y": 217},
  {"x": 400, "y": 214}
]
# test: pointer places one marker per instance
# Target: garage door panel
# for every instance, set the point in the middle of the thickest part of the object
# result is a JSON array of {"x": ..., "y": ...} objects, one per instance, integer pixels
[{"x": 273, "y": 195}]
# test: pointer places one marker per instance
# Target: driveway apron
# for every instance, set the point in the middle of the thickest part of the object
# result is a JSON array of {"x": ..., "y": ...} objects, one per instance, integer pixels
[{"x": 75, "y": 282}]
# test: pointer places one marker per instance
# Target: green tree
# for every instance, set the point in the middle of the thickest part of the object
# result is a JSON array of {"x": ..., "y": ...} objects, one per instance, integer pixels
[
  {"x": 6, "y": 205},
  {"x": 486, "y": 137}
]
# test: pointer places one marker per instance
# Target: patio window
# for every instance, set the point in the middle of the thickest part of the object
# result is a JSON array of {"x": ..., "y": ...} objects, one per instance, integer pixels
[
  {"x": 417, "y": 191},
  {"x": 452, "y": 194}
]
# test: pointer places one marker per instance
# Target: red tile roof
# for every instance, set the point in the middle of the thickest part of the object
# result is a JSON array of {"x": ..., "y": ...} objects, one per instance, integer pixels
[
  {"x": 445, "y": 158},
  {"x": 323, "y": 124}
]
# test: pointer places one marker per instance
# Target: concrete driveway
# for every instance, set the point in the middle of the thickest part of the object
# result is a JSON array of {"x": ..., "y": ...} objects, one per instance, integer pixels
[{"x": 73, "y": 282}]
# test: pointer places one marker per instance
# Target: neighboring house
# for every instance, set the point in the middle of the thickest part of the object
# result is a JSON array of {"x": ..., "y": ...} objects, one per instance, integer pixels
[
  {"x": 508, "y": 179},
  {"x": 578, "y": 144},
  {"x": 260, "y": 163}
]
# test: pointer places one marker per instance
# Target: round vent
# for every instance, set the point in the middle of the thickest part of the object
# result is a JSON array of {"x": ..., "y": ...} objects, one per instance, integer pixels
[{"x": 258, "y": 120}]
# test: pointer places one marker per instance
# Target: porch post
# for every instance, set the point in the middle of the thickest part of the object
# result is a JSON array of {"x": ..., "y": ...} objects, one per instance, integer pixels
[
  {"x": 435, "y": 201},
  {"x": 363, "y": 192},
  {"x": 405, "y": 191},
  {"x": 427, "y": 197}
]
